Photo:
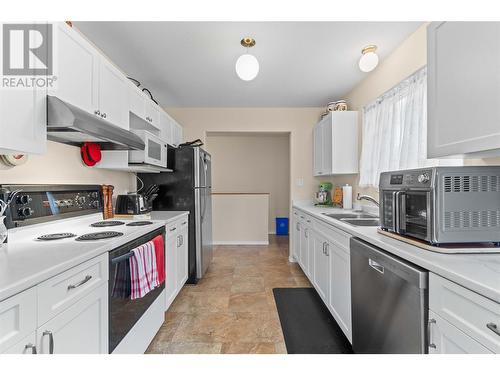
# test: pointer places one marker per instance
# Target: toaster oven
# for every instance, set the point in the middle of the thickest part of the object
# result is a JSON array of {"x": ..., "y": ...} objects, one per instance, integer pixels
[{"x": 442, "y": 204}]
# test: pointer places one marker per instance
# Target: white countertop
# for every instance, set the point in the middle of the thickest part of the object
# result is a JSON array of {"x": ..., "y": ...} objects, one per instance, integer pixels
[
  {"x": 25, "y": 261},
  {"x": 477, "y": 272}
]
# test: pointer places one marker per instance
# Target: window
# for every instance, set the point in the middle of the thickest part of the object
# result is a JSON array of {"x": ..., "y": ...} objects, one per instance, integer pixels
[{"x": 395, "y": 130}]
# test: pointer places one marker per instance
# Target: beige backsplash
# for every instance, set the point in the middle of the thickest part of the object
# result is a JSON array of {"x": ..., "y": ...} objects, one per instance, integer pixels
[{"x": 62, "y": 164}]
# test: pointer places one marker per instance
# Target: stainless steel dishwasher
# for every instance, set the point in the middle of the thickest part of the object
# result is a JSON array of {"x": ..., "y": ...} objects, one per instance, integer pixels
[{"x": 389, "y": 302}]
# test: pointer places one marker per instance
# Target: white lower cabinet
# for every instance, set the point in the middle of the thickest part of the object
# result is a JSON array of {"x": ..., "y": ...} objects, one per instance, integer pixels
[
  {"x": 18, "y": 316},
  {"x": 469, "y": 321},
  {"x": 182, "y": 253},
  {"x": 295, "y": 236},
  {"x": 322, "y": 252},
  {"x": 176, "y": 259},
  {"x": 321, "y": 274},
  {"x": 445, "y": 338},
  {"x": 80, "y": 329},
  {"x": 48, "y": 318},
  {"x": 305, "y": 233},
  {"x": 170, "y": 265},
  {"x": 340, "y": 287},
  {"x": 26, "y": 346}
]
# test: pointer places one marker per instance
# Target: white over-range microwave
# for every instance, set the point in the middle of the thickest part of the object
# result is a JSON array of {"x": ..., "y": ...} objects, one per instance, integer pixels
[{"x": 155, "y": 152}]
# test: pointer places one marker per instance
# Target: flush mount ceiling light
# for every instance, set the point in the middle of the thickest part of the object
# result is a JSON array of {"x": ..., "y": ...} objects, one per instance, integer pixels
[
  {"x": 369, "y": 59},
  {"x": 247, "y": 66}
]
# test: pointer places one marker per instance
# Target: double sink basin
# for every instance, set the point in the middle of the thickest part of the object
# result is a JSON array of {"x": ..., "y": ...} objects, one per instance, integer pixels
[{"x": 356, "y": 219}]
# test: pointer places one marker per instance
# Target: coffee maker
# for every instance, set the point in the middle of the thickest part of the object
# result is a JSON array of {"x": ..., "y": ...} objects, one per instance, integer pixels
[{"x": 324, "y": 196}]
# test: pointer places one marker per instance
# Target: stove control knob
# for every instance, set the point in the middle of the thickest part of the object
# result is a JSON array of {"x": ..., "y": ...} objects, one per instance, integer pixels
[
  {"x": 60, "y": 203},
  {"x": 94, "y": 194},
  {"x": 25, "y": 212},
  {"x": 95, "y": 204},
  {"x": 423, "y": 178},
  {"x": 24, "y": 199},
  {"x": 68, "y": 202},
  {"x": 80, "y": 200}
]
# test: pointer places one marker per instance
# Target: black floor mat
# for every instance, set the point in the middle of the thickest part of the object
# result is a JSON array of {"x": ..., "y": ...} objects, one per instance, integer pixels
[{"x": 307, "y": 325}]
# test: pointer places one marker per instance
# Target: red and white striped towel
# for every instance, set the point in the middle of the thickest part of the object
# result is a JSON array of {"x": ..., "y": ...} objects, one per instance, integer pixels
[{"x": 143, "y": 270}]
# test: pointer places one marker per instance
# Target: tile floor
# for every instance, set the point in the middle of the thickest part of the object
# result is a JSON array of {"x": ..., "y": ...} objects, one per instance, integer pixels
[{"x": 232, "y": 309}]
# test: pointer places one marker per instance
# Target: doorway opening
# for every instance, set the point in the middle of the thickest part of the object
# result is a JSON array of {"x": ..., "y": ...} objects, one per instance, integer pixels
[{"x": 250, "y": 185}]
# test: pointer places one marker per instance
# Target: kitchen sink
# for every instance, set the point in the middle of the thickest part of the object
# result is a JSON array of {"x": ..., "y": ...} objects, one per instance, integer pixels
[
  {"x": 373, "y": 222},
  {"x": 351, "y": 216}
]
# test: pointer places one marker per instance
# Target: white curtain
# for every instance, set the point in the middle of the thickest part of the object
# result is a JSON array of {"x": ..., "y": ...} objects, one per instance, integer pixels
[{"x": 395, "y": 130}]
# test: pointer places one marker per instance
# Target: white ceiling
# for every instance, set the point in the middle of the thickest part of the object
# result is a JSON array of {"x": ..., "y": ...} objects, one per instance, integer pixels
[{"x": 191, "y": 64}]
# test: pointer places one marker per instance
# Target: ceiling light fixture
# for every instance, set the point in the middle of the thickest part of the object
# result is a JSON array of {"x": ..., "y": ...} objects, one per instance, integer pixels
[
  {"x": 369, "y": 59},
  {"x": 247, "y": 66}
]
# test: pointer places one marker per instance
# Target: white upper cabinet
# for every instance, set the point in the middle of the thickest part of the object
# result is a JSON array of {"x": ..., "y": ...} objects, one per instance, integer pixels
[
  {"x": 152, "y": 113},
  {"x": 86, "y": 79},
  {"x": 166, "y": 127},
  {"x": 136, "y": 101},
  {"x": 177, "y": 134},
  {"x": 463, "y": 67},
  {"x": 113, "y": 95},
  {"x": 76, "y": 66},
  {"x": 336, "y": 144}
]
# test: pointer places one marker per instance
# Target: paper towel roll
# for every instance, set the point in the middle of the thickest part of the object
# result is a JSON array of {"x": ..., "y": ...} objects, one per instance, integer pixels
[{"x": 347, "y": 196}]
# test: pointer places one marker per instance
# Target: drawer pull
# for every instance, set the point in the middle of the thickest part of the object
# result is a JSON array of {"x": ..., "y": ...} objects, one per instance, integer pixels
[
  {"x": 51, "y": 341},
  {"x": 493, "y": 327},
  {"x": 173, "y": 229},
  {"x": 31, "y": 347},
  {"x": 184, "y": 223},
  {"x": 80, "y": 283}
]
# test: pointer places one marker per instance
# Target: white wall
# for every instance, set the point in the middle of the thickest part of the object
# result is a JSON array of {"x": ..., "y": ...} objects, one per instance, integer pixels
[
  {"x": 253, "y": 163},
  {"x": 62, "y": 164},
  {"x": 240, "y": 219},
  {"x": 298, "y": 122}
]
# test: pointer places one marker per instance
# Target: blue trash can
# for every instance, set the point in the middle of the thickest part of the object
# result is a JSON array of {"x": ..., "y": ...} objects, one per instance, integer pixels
[{"x": 282, "y": 226}]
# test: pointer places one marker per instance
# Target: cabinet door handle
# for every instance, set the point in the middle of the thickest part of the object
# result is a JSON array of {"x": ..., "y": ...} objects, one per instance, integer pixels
[
  {"x": 172, "y": 229},
  {"x": 327, "y": 249},
  {"x": 104, "y": 115},
  {"x": 32, "y": 347},
  {"x": 377, "y": 267},
  {"x": 297, "y": 226},
  {"x": 429, "y": 333},
  {"x": 324, "y": 243},
  {"x": 51, "y": 340},
  {"x": 306, "y": 233},
  {"x": 493, "y": 327},
  {"x": 184, "y": 223},
  {"x": 80, "y": 283},
  {"x": 97, "y": 112}
]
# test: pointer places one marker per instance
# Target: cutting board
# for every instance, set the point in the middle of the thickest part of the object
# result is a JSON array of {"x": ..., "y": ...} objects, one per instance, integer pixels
[{"x": 460, "y": 248}]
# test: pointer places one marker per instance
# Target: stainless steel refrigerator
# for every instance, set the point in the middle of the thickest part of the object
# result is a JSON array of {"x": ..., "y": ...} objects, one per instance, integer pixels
[{"x": 188, "y": 188}]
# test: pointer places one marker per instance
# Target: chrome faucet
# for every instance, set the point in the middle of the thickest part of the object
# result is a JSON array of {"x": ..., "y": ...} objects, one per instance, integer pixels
[{"x": 367, "y": 198}]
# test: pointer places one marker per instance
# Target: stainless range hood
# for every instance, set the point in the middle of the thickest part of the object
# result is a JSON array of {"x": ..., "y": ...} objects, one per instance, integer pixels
[{"x": 71, "y": 125}]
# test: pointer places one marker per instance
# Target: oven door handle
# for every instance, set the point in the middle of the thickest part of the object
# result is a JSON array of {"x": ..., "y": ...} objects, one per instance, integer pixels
[
  {"x": 401, "y": 198},
  {"x": 121, "y": 258},
  {"x": 395, "y": 210}
]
